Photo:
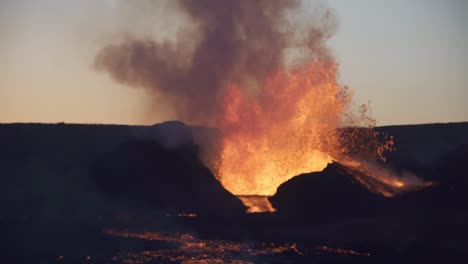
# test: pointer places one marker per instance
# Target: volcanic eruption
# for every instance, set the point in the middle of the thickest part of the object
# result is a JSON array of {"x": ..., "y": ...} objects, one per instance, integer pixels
[{"x": 262, "y": 74}]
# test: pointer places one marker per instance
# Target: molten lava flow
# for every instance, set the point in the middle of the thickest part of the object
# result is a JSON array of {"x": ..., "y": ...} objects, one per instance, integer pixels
[
  {"x": 257, "y": 203},
  {"x": 382, "y": 180},
  {"x": 289, "y": 128},
  {"x": 187, "y": 248}
]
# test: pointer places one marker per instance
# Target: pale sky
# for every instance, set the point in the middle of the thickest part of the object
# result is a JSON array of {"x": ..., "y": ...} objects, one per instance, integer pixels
[{"x": 408, "y": 57}]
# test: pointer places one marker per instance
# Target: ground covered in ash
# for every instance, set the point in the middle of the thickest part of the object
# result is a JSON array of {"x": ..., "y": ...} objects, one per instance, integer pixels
[{"x": 141, "y": 194}]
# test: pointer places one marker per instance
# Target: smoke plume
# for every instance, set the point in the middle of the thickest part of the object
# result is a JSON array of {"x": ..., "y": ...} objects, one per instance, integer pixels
[{"x": 238, "y": 42}]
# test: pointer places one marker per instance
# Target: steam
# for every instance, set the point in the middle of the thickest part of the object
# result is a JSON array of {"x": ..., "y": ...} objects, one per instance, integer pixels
[{"x": 238, "y": 42}]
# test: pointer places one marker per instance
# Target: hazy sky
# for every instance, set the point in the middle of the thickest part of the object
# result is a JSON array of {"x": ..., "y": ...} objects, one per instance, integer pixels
[{"x": 409, "y": 58}]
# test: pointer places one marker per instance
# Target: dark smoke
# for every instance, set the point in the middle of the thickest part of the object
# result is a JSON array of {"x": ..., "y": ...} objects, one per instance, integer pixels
[{"x": 235, "y": 41}]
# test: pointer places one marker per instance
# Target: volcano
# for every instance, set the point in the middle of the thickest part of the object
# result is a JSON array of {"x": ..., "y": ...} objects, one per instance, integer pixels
[{"x": 64, "y": 184}]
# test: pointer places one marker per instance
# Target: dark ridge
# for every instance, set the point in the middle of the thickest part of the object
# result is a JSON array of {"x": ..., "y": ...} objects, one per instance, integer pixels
[
  {"x": 335, "y": 191},
  {"x": 174, "y": 180}
]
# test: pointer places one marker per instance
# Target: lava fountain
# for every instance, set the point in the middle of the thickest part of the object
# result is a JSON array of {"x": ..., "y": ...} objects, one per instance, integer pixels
[
  {"x": 287, "y": 129},
  {"x": 292, "y": 126},
  {"x": 228, "y": 65}
]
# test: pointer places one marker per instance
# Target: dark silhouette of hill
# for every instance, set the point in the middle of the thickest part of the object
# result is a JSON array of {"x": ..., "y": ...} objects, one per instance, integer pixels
[
  {"x": 338, "y": 191},
  {"x": 173, "y": 179},
  {"x": 48, "y": 166},
  {"x": 333, "y": 192},
  {"x": 54, "y": 203},
  {"x": 342, "y": 192},
  {"x": 428, "y": 224}
]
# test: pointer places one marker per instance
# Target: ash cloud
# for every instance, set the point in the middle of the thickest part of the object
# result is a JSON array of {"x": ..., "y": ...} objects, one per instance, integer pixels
[{"x": 239, "y": 42}]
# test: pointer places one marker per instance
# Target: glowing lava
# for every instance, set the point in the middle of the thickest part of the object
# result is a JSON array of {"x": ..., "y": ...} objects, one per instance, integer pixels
[
  {"x": 186, "y": 248},
  {"x": 293, "y": 125},
  {"x": 289, "y": 128},
  {"x": 257, "y": 203}
]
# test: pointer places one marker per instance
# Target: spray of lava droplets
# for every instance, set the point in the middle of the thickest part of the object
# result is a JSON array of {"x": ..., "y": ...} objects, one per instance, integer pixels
[
  {"x": 291, "y": 127},
  {"x": 285, "y": 131}
]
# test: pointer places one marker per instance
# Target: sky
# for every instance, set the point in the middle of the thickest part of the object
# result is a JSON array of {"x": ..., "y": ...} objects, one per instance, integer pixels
[{"x": 407, "y": 57}]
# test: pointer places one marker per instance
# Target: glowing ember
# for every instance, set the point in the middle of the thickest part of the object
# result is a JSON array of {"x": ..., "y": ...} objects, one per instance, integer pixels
[
  {"x": 187, "y": 215},
  {"x": 341, "y": 251}
]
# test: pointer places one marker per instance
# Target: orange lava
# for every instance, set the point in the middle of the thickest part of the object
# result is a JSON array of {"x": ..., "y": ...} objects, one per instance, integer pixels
[
  {"x": 287, "y": 129},
  {"x": 296, "y": 122},
  {"x": 186, "y": 248},
  {"x": 381, "y": 180},
  {"x": 193, "y": 250},
  {"x": 257, "y": 203}
]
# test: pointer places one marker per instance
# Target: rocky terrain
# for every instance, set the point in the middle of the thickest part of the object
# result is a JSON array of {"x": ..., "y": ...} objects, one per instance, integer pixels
[{"x": 143, "y": 194}]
